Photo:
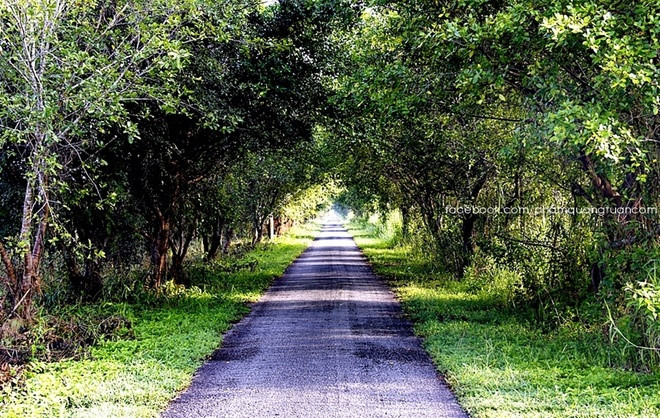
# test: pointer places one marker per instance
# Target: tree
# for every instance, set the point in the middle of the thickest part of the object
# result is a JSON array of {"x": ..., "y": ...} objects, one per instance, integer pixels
[
  {"x": 539, "y": 103},
  {"x": 257, "y": 90},
  {"x": 67, "y": 70}
]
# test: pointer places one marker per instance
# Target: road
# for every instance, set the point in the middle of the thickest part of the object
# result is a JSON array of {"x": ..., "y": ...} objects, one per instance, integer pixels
[{"x": 328, "y": 339}]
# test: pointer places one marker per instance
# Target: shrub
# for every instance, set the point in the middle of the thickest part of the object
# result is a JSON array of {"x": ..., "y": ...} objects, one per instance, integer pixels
[
  {"x": 500, "y": 284},
  {"x": 643, "y": 304}
]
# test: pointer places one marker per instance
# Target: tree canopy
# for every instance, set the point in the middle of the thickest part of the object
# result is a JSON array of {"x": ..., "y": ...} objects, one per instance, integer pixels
[{"x": 514, "y": 137}]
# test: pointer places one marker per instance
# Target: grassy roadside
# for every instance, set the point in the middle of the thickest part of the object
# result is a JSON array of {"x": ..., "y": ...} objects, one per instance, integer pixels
[
  {"x": 138, "y": 376},
  {"x": 498, "y": 363}
]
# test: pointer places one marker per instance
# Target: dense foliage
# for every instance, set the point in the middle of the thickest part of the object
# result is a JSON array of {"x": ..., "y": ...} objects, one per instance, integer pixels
[
  {"x": 522, "y": 138},
  {"x": 497, "y": 361},
  {"x": 130, "y": 131},
  {"x": 141, "y": 142}
]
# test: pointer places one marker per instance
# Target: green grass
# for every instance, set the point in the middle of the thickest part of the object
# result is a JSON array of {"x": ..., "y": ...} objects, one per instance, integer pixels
[
  {"x": 498, "y": 362},
  {"x": 139, "y": 376}
]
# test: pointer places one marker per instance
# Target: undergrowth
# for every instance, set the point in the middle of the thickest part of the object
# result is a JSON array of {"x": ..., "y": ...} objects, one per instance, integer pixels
[
  {"x": 138, "y": 369},
  {"x": 498, "y": 358}
]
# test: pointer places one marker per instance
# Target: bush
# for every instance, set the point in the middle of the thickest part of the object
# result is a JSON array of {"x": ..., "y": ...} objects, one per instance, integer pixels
[
  {"x": 502, "y": 285},
  {"x": 642, "y": 300}
]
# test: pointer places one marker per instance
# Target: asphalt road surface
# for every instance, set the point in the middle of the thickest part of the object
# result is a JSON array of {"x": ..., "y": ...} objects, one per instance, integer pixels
[{"x": 327, "y": 340}]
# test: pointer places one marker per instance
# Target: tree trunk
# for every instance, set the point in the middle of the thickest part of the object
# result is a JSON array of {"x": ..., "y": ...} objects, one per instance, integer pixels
[
  {"x": 467, "y": 232},
  {"x": 271, "y": 227},
  {"x": 282, "y": 225},
  {"x": 405, "y": 221},
  {"x": 213, "y": 245},
  {"x": 258, "y": 235},
  {"x": 30, "y": 280},
  {"x": 468, "y": 225},
  {"x": 229, "y": 236},
  {"x": 176, "y": 269},
  {"x": 214, "y": 241},
  {"x": 23, "y": 306},
  {"x": 160, "y": 246},
  {"x": 617, "y": 227},
  {"x": 258, "y": 230},
  {"x": 467, "y": 237},
  {"x": 179, "y": 253}
]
